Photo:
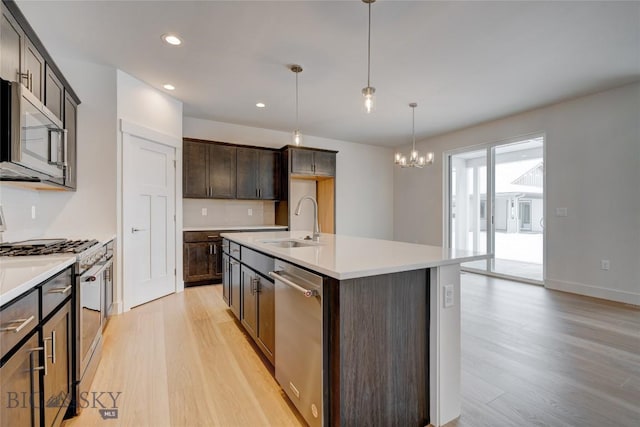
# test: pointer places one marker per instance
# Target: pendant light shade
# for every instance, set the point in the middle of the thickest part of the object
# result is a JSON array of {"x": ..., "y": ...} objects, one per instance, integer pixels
[
  {"x": 297, "y": 136},
  {"x": 415, "y": 160},
  {"x": 369, "y": 91}
]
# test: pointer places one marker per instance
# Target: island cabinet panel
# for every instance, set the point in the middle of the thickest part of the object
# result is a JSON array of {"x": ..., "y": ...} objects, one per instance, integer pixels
[
  {"x": 249, "y": 301},
  {"x": 226, "y": 279},
  {"x": 235, "y": 285},
  {"x": 379, "y": 348},
  {"x": 257, "y": 313}
]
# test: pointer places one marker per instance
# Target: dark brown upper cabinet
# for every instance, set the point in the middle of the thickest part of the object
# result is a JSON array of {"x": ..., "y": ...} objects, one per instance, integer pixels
[
  {"x": 21, "y": 60},
  {"x": 71, "y": 125},
  {"x": 54, "y": 94},
  {"x": 258, "y": 172},
  {"x": 312, "y": 162},
  {"x": 11, "y": 48},
  {"x": 24, "y": 59},
  {"x": 209, "y": 170}
]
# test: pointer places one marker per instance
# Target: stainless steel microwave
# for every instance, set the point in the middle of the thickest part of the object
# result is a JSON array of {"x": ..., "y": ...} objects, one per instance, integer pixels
[{"x": 33, "y": 141}]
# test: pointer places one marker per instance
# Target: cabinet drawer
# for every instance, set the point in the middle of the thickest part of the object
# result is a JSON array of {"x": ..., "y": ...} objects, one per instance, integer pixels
[
  {"x": 17, "y": 320},
  {"x": 55, "y": 291},
  {"x": 257, "y": 261},
  {"x": 234, "y": 250},
  {"x": 200, "y": 236}
]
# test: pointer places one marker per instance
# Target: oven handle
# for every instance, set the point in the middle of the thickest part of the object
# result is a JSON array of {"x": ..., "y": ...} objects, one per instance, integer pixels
[{"x": 94, "y": 276}]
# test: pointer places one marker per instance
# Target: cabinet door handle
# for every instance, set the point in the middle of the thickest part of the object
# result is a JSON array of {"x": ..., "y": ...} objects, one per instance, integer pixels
[
  {"x": 43, "y": 367},
  {"x": 32, "y": 385},
  {"x": 17, "y": 328},
  {"x": 210, "y": 249},
  {"x": 51, "y": 356},
  {"x": 60, "y": 290},
  {"x": 215, "y": 249},
  {"x": 30, "y": 81}
]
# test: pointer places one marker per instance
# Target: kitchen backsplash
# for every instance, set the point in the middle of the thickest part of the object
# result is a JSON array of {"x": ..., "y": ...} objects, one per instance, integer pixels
[{"x": 227, "y": 212}]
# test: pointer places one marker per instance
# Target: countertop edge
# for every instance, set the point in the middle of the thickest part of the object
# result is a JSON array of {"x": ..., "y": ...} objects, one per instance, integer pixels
[{"x": 36, "y": 280}]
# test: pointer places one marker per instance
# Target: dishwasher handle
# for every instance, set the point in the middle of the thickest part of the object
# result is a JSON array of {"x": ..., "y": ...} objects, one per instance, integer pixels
[{"x": 306, "y": 292}]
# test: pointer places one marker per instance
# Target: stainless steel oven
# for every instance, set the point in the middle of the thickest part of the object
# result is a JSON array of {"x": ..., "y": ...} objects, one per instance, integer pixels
[
  {"x": 33, "y": 141},
  {"x": 92, "y": 276}
]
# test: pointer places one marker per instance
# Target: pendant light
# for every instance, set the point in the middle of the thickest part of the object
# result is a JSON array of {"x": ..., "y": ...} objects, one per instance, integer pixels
[
  {"x": 415, "y": 159},
  {"x": 368, "y": 91},
  {"x": 297, "y": 137}
]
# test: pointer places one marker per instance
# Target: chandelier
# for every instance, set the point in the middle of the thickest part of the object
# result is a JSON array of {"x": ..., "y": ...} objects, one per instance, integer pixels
[{"x": 415, "y": 160}]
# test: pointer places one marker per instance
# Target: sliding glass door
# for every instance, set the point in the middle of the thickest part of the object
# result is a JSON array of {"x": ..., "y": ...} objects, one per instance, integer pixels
[{"x": 496, "y": 204}]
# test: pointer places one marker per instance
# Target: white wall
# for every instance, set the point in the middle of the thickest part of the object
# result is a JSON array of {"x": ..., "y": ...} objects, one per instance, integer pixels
[
  {"x": 144, "y": 106},
  {"x": 90, "y": 211},
  {"x": 592, "y": 168},
  {"x": 364, "y": 181}
]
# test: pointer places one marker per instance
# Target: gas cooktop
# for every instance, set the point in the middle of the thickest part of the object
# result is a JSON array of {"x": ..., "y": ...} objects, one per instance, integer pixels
[{"x": 45, "y": 247}]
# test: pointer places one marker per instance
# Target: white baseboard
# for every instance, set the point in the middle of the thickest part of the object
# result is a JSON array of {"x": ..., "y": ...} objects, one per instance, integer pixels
[{"x": 594, "y": 291}]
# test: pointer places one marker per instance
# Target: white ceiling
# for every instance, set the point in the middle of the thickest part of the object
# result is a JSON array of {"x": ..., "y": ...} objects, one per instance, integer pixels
[{"x": 462, "y": 62}]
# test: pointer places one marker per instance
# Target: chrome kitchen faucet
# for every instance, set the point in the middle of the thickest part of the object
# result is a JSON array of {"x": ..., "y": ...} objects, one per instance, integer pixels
[{"x": 316, "y": 227}]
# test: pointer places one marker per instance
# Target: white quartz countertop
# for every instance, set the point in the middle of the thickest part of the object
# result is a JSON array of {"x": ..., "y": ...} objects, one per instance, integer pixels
[
  {"x": 236, "y": 227},
  {"x": 20, "y": 274},
  {"x": 347, "y": 257}
]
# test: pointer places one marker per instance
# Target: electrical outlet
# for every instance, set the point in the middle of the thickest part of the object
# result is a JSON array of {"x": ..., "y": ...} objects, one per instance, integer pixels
[
  {"x": 204, "y": 212},
  {"x": 250, "y": 212},
  {"x": 561, "y": 212},
  {"x": 604, "y": 264},
  {"x": 448, "y": 296},
  {"x": 33, "y": 212}
]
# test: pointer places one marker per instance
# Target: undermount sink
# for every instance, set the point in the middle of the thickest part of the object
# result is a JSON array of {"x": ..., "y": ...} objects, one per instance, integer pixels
[{"x": 289, "y": 243}]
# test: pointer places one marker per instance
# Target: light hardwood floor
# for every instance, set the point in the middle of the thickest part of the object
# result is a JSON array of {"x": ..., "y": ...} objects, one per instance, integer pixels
[
  {"x": 535, "y": 357},
  {"x": 530, "y": 357},
  {"x": 183, "y": 361}
]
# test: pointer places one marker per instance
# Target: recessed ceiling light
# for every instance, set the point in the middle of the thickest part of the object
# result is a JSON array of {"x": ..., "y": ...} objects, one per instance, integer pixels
[
  {"x": 169, "y": 87},
  {"x": 261, "y": 105},
  {"x": 172, "y": 39}
]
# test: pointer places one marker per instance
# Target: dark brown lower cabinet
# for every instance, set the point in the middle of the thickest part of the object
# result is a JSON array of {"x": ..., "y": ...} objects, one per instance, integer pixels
[
  {"x": 203, "y": 261},
  {"x": 249, "y": 301},
  {"x": 258, "y": 310},
  {"x": 226, "y": 280},
  {"x": 235, "y": 285},
  {"x": 56, "y": 341},
  {"x": 20, "y": 386}
]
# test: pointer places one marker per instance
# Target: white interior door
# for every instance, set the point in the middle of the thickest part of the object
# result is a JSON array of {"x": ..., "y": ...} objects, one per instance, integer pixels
[{"x": 149, "y": 182}]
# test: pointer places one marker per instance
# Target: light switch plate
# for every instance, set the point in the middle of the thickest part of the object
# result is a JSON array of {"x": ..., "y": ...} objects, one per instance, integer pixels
[
  {"x": 204, "y": 212},
  {"x": 561, "y": 211},
  {"x": 33, "y": 212},
  {"x": 448, "y": 296},
  {"x": 250, "y": 212}
]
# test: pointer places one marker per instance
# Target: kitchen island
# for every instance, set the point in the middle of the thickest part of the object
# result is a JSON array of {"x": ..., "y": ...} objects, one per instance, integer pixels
[{"x": 390, "y": 336}]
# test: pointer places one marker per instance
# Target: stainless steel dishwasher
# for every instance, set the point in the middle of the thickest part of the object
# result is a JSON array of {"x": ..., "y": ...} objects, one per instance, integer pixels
[{"x": 298, "y": 352}]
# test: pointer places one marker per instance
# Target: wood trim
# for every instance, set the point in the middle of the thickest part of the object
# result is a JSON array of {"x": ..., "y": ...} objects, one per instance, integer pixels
[
  {"x": 295, "y": 147},
  {"x": 231, "y": 144},
  {"x": 325, "y": 193}
]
